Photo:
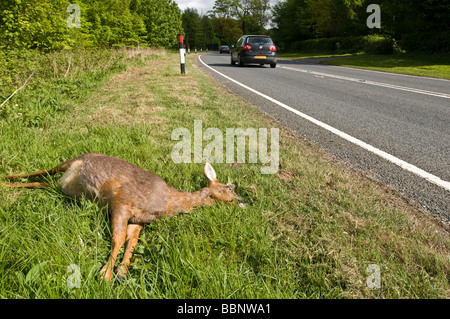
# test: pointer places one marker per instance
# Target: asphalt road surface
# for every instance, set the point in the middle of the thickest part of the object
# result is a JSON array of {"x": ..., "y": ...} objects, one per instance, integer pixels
[{"x": 395, "y": 127}]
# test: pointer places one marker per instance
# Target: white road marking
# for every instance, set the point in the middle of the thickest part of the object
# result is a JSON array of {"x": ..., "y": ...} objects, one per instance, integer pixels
[
  {"x": 392, "y": 86},
  {"x": 406, "y": 166},
  {"x": 384, "y": 72}
]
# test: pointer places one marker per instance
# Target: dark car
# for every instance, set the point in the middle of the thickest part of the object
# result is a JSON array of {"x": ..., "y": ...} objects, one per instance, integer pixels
[
  {"x": 224, "y": 48},
  {"x": 258, "y": 49}
]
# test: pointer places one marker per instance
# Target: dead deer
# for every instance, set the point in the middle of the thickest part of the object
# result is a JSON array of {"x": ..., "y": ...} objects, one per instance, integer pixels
[{"x": 134, "y": 197}]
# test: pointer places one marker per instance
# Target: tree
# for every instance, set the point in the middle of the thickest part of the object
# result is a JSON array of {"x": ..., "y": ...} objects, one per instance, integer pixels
[
  {"x": 333, "y": 17},
  {"x": 199, "y": 30},
  {"x": 162, "y": 19},
  {"x": 418, "y": 24},
  {"x": 292, "y": 22},
  {"x": 222, "y": 8},
  {"x": 43, "y": 24},
  {"x": 31, "y": 24},
  {"x": 227, "y": 30},
  {"x": 192, "y": 26},
  {"x": 297, "y": 20},
  {"x": 414, "y": 24},
  {"x": 208, "y": 31},
  {"x": 252, "y": 15},
  {"x": 112, "y": 22}
]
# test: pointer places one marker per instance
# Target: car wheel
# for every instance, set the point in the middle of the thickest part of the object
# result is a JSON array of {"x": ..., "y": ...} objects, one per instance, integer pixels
[
  {"x": 239, "y": 61},
  {"x": 273, "y": 65}
]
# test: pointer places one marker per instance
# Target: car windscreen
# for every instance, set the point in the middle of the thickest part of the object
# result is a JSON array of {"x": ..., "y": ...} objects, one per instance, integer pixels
[{"x": 259, "y": 40}]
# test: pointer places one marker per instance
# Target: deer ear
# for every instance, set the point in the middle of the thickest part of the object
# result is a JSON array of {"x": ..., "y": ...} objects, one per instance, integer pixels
[{"x": 209, "y": 172}]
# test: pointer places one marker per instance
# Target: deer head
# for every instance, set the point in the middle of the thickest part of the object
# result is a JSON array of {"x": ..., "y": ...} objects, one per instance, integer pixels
[{"x": 219, "y": 191}]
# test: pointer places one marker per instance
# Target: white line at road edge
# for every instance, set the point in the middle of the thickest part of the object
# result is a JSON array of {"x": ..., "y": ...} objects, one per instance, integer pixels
[{"x": 406, "y": 166}]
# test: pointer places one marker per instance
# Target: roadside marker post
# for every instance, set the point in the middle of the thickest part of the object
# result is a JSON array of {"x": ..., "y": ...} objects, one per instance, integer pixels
[{"x": 182, "y": 50}]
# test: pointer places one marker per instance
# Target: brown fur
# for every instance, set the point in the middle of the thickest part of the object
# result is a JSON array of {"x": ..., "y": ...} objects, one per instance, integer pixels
[{"x": 134, "y": 196}]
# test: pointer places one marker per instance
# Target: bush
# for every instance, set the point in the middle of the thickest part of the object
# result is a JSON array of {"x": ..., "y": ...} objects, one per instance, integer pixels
[
  {"x": 377, "y": 44},
  {"x": 374, "y": 44},
  {"x": 436, "y": 42},
  {"x": 327, "y": 44}
]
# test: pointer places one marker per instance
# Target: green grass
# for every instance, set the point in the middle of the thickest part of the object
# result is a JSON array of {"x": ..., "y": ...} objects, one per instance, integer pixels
[
  {"x": 310, "y": 231},
  {"x": 436, "y": 65}
]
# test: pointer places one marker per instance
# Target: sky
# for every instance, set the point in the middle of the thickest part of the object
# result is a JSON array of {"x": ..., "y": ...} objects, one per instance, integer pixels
[{"x": 202, "y": 5}]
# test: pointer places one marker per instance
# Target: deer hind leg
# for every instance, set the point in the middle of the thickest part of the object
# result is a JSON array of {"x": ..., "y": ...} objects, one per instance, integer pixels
[
  {"x": 133, "y": 231},
  {"x": 27, "y": 185},
  {"x": 119, "y": 222},
  {"x": 38, "y": 173},
  {"x": 59, "y": 168}
]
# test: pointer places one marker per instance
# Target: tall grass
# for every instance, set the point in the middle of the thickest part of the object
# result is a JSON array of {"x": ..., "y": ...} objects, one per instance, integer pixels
[{"x": 59, "y": 80}]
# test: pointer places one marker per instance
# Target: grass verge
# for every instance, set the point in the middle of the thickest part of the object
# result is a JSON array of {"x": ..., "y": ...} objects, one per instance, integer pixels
[{"x": 310, "y": 231}]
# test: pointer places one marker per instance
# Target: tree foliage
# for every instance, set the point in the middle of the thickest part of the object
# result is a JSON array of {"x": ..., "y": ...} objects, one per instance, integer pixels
[
  {"x": 29, "y": 23},
  {"x": 209, "y": 30},
  {"x": 252, "y": 15},
  {"x": 414, "y": 24},
  {"x": 192, "y": 26},
  {"x": 227, "y": 30},
  {"x": 162, "y": 19},
  {"x": 43, "y": 24},
  {"x": 228, "y": 20}
]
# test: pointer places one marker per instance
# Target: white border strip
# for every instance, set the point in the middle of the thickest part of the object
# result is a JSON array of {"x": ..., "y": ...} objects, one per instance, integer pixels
[{"x": 406, "y": 166}]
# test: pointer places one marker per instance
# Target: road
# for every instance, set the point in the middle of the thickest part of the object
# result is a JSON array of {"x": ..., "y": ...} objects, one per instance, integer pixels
[{"x": 395, "y": 127}]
